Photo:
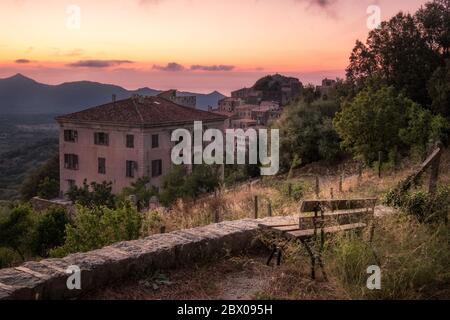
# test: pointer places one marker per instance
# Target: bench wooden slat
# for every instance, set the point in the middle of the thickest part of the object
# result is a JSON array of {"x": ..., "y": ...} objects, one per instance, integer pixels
[
  {"x": 334, "y": 214},
  {"x": 301, "y": 234},
  {"x": 337, "y": 204}
]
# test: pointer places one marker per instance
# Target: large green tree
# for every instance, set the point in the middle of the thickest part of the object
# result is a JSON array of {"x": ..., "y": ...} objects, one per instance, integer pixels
[{"x": 398, "y": 54}]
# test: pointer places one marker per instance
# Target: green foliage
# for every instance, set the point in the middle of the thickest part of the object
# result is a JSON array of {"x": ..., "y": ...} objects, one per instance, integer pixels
[
  {"x": 413, "y": 258},
  {"x": 306, "y": 133},
  {"x": 48, "y": 188},
  {"x": 425, "y": 207},
  {"x": 141, "y": 190},
  {"x": 371, "y": 122},
  {"x": 152, "y": 223},
  {"x": 292, "y": 190},
  {"x": 179, "y": 184},
  {"x": 96, "y": 227},
  {"x": 49, "y": 230},
  {"x": 380, "y": 120},
  {"x": 43, "y": 181},
  {"x": 439, "y": 90},
  {"x": 15, "y": 230},
  {"x": 95, "y": 195},
  {"x": 399, "y": 55},
  {"x": 8, "y": 257}
]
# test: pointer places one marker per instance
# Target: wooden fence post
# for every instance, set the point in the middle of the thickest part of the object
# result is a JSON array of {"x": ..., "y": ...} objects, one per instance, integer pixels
[
  {"x": 256, "y": 207},
  {"x": 269, "y": 208},
  {"x": 290, "y": 189},
  {"x": 317, "y": 190},
  {"x": 162, "y": 229},
  {"x": 380, "y": 154},
  {"x": 340, "y": 182},
  {"x": 434, "y": 175},
  {"x": 331, "y": 193}
]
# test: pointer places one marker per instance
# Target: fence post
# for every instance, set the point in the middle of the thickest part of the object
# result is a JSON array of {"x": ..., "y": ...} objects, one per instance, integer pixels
[
  {"x": 269, "y": 208},
  {"x": 341, "y": 178},
  {"x": 331, "y": 193},
  {"x": 317, "y": 190},
  {"x": 434, "y": 175},
  {"x": 216, "y": 216},
  {"x": 162, "y": 229},
  {"x": 380, "y": 154},
  {"x": 290, "y": 189},
  {"x": 256, "y": 207}
]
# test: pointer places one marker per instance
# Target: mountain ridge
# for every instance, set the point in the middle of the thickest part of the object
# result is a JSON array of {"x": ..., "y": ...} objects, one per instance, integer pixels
[{"x": 20, "y": 94}]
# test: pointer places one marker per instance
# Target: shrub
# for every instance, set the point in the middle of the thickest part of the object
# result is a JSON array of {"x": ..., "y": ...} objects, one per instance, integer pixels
[
  {"x": 296, "y": 191},
  {"x": 15, "y": 230},
  {"x": 93, "y": 195},
  {"x": 100, "y": 226},
  {"x": 8, "y": 257},
  {"x": 151, "y": 223},
  {"x": 49, "y": 231},
  {"x": 425, "y": 207}
]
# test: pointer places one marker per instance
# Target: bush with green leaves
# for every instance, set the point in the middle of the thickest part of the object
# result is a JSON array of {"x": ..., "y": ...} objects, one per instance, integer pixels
[
  {"x": 95, "y": 227},
  {"x": 379, "y": 119},
  {"x": 292, "y": 190},
  {"x": 425, "y": 207},
  {"x": 93, "y": 195},
  {"x": 43, "y": 181},
  {"x": 49, "y": 230},
  {"x": 307, "y": 133},
  {"x": 178, "y": 183},
  {"x": 142, "y": 191},
  {"x": 8, "y": 257},
  {"x": 16, "y": 229}
]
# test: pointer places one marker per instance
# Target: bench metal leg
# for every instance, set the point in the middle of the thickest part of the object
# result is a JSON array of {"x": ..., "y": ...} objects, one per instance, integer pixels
[
  {"x": 313, "y": 259},
  {"x": 274, "y": 250}
]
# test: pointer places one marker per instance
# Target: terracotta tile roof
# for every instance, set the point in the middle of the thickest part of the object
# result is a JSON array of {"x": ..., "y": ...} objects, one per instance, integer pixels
[{"x": 141, "y": 111}]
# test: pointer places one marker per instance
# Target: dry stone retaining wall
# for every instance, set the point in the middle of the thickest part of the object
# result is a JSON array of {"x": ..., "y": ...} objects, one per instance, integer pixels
[{"x": 47, "y": 279}]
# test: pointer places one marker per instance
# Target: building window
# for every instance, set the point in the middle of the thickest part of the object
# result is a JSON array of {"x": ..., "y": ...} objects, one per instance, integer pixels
[
  {"x": 155, "y": 141},
  {"x": 70, "y": 135},
  {"x": 71, "y": 161},
  {"x": 101, "y": 165},
  {"x": 130, "y": 141},
  {"x": 156, "y": 168},
  {"x": 101, "y": 138},
  {"x": 131, "y": 168}
]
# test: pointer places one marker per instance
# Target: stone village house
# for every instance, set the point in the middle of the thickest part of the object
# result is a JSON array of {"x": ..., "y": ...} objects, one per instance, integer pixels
[{"x": 122, "y": 141}]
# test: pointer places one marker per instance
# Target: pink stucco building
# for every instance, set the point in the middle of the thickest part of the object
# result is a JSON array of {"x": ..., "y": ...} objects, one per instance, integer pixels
[{"x": 123, "y": 140}]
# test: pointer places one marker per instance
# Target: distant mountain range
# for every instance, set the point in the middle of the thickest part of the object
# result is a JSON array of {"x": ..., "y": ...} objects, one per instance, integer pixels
[{"x": 22, "y": 95}]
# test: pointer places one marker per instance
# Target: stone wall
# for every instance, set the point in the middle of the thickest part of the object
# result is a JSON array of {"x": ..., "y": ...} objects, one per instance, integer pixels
[{"x": 47, "y": 279}]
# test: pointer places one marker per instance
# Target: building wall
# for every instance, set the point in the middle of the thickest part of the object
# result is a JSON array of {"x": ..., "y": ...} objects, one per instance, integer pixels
[{"x": 116, "y": 154}]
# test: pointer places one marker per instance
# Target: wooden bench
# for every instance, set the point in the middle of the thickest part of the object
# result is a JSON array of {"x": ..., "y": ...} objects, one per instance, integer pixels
[{"x": 325, "y": 217}]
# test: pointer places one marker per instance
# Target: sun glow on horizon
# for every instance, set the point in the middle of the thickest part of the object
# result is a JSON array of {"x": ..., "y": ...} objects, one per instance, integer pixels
[{"x": 181, "y": 42}]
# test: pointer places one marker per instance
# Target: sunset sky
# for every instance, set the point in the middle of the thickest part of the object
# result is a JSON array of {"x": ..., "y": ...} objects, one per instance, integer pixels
[{"x": 196, "y": 45}]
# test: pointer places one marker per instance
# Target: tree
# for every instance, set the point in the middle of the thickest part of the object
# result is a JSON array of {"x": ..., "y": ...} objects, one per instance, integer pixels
[
  {"x": 141, "y": 190},
  {"x": 439, "y": 90},
  {"x": 173, "y": 185},
  {"x": 307, "y": 134},
  {"x": 15, "y": 229},
  {"x": 48, "y": 188},
  {"x": 44, "y": 180},
  {"x": 434, "y": 22},
  {"x": 93, "y": 195},
  {"x": 371, "y": 122},
  {"x": 49, "y": 230},
  {"x": 398, "y": 54}
]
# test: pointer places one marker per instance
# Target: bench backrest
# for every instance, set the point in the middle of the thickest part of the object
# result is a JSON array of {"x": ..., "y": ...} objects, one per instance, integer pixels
[
  {"x": 336, "y": 204},
  {"x": 332, "y": 211}
]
